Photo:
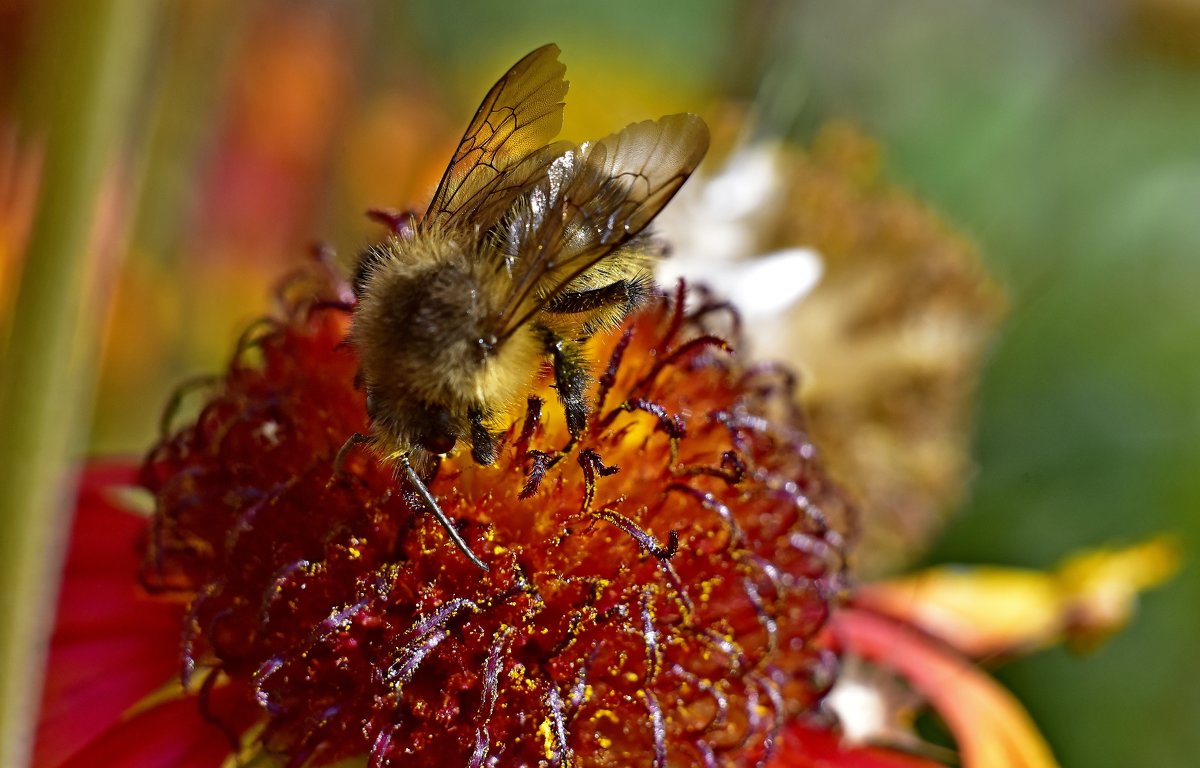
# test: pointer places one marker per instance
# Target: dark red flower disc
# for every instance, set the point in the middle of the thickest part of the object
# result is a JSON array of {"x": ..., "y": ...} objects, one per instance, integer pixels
[{"x": 654, "y": 591}]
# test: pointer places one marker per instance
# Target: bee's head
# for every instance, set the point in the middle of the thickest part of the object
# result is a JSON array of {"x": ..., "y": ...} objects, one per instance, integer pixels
[
  {"x": 420, "y": 333},
  {"x": 419, "y": 318},
  {"x": 427, "y": 346},
  {"x": 407, "y": 425}
]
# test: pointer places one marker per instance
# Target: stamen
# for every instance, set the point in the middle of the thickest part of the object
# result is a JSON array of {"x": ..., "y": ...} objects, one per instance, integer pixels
[
  {"x": 175, "y": 401},
  {"x": 487, "y": 705},
  {"x": 561, "y": 750},
  {"x": 657, "y": 727},
  {"x": 731, "y": 470},
  {"x": 710, "y": 502},
  {"x": 645, "y": 540},
  {"x": 253, "y": 336},
  {"x": 678, "y": 302},
  {"x": 592, "y": 466},
  {"x": 609, "y": 378},
  {"x": 539, "y": 463},
  {"x": 650, "y": 635}
]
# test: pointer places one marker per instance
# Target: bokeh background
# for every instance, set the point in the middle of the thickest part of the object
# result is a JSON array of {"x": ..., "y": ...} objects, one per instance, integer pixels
[{"x": 1063, "y": 138}]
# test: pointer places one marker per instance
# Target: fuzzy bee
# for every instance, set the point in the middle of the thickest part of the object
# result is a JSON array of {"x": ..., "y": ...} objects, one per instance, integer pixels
[{"x": 528, "y": 247}]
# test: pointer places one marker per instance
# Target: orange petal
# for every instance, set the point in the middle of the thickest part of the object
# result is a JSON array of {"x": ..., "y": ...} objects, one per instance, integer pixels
[
  {"x": 982, "y": 612},
  {"x": 1100, "y": 588},
  {"x": 991, "y": 727}
]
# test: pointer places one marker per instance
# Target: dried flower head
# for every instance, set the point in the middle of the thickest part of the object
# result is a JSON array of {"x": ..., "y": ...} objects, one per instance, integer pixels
[
  {"x": 880, "y": 305},
  {"x": 654, "y": 592},
  {"x": 890, "y": 342}
]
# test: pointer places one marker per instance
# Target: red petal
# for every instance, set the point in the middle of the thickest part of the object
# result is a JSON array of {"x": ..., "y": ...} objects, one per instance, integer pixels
[
  {"x": 113, "y": 644},
  {"x": 804, "y": 746},
  {"x": 112, "y": 604},
  {"x": 170, "y": 735}
]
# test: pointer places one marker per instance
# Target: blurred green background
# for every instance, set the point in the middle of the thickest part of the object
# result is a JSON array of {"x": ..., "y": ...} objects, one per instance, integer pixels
[{"x": 1063, "y": 137}]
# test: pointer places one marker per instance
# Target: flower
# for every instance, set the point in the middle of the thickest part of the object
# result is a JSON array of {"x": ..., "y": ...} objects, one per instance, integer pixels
[
  {"x": 113, "y": 699},
  {"x": 657, "y": 590},
  {"x": 663, "y": 591},
  {"x": 670, "y": 589}
]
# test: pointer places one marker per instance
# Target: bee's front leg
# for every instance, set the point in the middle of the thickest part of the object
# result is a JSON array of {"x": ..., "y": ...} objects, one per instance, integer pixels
[
  {"x": 571, "y": 379},
  {"x": 483, "y": 443}
]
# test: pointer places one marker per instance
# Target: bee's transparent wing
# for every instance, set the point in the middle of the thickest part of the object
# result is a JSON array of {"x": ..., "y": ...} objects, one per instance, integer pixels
[
  {"x": 504, "y": 147},
  {"x": 594, "y": 200}
]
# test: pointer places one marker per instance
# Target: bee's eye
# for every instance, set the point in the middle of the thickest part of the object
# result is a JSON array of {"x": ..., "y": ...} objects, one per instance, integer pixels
[
  {"x": 486, "y": 346},
  {"x": 372, "y": 406}
]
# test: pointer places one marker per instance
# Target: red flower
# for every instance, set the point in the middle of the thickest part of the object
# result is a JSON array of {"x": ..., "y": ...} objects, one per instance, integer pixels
[
  {"x": 660, "y": 593},
  {"x": 655, "y": 591},
  {"x": 110, "y": 700}
]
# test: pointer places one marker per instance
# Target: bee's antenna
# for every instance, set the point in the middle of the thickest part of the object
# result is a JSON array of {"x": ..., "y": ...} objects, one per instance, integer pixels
[{"x": 446, "y": 522}]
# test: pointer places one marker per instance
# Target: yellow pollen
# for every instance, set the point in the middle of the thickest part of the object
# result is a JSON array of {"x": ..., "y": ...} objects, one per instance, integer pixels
[{"x": 547, "y": 738}]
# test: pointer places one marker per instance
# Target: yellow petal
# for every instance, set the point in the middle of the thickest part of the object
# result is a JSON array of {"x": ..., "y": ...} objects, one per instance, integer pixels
[
  {"x": 990, "y": 611},
  {"x": 1100, "y": 588}
]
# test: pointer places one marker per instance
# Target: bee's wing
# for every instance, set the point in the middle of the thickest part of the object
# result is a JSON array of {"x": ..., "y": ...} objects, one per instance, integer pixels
[
  {"x": 504, "y": 147},
  {"x": 593, "y": 201}
]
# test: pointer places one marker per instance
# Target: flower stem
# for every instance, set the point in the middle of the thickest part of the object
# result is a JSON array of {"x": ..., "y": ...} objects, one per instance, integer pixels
[{"x": 92, "y": 61}]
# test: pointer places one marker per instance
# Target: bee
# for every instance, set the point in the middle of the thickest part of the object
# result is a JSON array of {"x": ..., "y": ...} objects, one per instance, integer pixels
[{"x": 529, "y": 247}]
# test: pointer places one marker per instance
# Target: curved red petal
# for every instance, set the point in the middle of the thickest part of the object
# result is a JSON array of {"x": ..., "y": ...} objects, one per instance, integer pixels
[{"x": 991, "y": 727}]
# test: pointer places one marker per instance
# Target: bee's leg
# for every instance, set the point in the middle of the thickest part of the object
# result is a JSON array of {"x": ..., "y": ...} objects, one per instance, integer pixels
[
  {"x": 570, "y": 379},
  {"x": 339, "y": 461},
  {"x": 483, "y": 443},
  {"x": 432, "y": 505},
  {"x": 608, "y": 304}
]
